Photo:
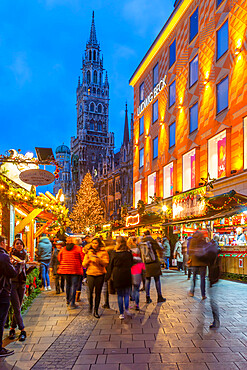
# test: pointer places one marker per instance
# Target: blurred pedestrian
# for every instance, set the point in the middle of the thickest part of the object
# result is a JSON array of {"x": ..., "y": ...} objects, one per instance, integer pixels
[
  {"x": 196, "y": 244},
  {"x": 120, "y": 267},
  {"x": 95, "y": 261},
  {"x": 167, "y": 251},
  {"x": 59, "y": 279},
  {"x": 70, "y": 265},
  {"x": 213, "y": 276},
  {"x": 43, "y": 255},
  {"x": 7, "y": 272},
  {"x": 149, "y": 248},
  {"x": 136, "y": 272},
  {"x": 109, "y": 245},
  {"x": 178, "y": 254}
]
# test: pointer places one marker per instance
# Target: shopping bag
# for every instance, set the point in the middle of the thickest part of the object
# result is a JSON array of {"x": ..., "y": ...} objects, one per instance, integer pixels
[{"x": 174, "y": 262}]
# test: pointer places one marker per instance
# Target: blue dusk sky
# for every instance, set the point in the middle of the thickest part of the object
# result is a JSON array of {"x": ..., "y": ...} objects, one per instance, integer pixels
[{"x": 42, "y": 43}]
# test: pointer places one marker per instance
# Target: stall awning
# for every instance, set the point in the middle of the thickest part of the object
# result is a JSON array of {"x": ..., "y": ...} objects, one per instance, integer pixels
[{"x": 219, "y": 206}]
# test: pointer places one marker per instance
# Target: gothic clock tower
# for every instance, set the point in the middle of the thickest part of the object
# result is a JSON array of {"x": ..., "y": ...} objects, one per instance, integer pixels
[{"x": 93, "y": 144}]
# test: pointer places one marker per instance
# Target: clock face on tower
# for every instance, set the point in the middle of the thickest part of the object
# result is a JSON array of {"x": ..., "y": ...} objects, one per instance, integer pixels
[{"x": 80, "y": 109}]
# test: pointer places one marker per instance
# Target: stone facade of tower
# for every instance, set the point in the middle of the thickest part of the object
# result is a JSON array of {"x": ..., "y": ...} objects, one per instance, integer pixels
[
  {"x": 115, "y": 185},
  {"x": 93, "y": 144},
  {"x": 63, "y": 157}
]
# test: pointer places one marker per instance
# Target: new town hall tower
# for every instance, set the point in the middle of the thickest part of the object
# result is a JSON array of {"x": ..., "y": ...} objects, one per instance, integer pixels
[{"x": 94, "y": 145}]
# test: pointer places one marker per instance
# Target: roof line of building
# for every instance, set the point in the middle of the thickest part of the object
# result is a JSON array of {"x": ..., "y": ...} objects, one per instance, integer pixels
[{"x": 160, "y": 39}]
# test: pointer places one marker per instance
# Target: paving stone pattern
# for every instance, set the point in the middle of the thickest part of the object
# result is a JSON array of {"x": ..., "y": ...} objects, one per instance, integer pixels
[{"x": 172, "y": 335}]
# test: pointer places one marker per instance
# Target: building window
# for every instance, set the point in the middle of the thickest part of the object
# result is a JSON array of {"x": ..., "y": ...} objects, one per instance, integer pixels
[
  {"x": 88, "y": 77},
  {"x": 194, "y": 24},
  {"x": 193, "y": 71},
  {"x": 94, "y": 55},
  {"x": 168, "y": 180},
  {"x": 95, "y": 77},
  {"x": 91, "y": 126},
  {"x": 245, "y": 142},
  {"x": 194, "y": 118},
  {"x": 155, "y": 111},
  {"x": 217, "y": 156},
  {"x": 172, "y": 134},
  {"x": 138, "y": 192},
  {"x": 156, "y": 75},
  {"x": 141, "y": 92},
  {"x": 99, "y": 126},
  {"x": 189, "y": 170},
  {"x": 172, "y": 93},
  {"x": 222, "y": 95},
  {"x": 92, "y": 107},
  {"x": 141, "y": 125},
  {"x": 90, "y": 54},
  {"x": 218, "y": 2},
  {"x": 99, "y": 108},
  {"x": 151, "y": 186},
  {"x": 141, "y": 157},
  {"x": 222, "y": 40},
  {"x": 155, "y": 147},
  {"x": 172, "y": 53}
]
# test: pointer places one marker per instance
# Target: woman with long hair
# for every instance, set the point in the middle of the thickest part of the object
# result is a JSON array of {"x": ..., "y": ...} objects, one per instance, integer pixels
[
  {"x": 121, "y": 263},
  {"x": 95, "y": 261},
  {"x": 18, "y": 289}
]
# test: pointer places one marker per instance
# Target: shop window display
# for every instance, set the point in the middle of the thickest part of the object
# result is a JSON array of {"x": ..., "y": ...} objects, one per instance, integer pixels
[
  {"x": 138, "y": 192},
  {"x": 168, "y": 180},
  {"x": 151, "y": 186},
  {"x": 189, "y": 170},
  {"x": 217, "y": 156}
]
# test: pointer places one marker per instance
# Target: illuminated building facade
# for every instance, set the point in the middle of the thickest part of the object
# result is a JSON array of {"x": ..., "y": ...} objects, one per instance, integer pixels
[{"x": 190, "y": 111}]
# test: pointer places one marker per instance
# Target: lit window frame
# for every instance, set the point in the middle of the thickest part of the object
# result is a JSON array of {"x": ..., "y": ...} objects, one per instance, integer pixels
[
  {"x": 170, "y": 86},
  {"x": 217, "y": 99},
  {"x": 217, "y": 33},
  {"x": 190, "y": 64},
  {"x": 171, "y": 125},
  {"x": 153, "y": 110},
  {"x": 141, "y": 87},
  {"x": 196, "y": 10},
  {"x": 155, "y": 140},
  {"x": 141, "y": 151},
  {"x": 171, "y": 45},
  {"x": 141, "y": 126},
  {"x": 190, "y": 109}
]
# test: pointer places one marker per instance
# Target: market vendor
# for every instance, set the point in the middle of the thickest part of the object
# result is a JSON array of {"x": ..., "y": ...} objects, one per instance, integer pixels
[{"x": 240, "y": 236}]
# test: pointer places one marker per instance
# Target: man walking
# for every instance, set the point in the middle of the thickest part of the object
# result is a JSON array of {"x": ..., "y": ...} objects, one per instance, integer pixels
[
  {"x": 7, "y": 271},
  {"x": 44, "y": 257},
  {"x": 197, "y": 243},
  {"x": 149, "y": 248}
]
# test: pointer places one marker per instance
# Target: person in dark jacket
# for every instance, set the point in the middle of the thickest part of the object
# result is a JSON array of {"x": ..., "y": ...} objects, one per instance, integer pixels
[
  {"x": 120, "y": 268},
  {"x": 213, "y": 276},
  {"x": 196, "y": 243},
  {"x": 55, "y": 264},
  {"x": 7, "y": 272},
  {"x": 43, "y": 255},
  {"x": 153, "y": 269},
  {"x": 18, "y": 290}
]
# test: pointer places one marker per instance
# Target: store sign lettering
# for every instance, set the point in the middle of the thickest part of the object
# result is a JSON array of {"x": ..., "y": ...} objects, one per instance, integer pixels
[{"x": 160, "y": 86}]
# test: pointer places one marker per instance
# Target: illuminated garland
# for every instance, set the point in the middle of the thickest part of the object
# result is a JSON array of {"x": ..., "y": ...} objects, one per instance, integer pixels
[
  {"x": 19, "y": 195},
  {"x": 189, "y": 195},
  {"x": 233, "y": 255},
  {"x": 227, "y": 201}
]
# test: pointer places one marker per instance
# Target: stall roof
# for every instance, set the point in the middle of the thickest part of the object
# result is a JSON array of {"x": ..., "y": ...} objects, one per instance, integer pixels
[{"x": 219, "y": 206}]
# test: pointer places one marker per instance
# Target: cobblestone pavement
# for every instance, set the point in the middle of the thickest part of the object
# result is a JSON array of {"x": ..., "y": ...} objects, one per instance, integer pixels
[{"x": 172, "y": 335}]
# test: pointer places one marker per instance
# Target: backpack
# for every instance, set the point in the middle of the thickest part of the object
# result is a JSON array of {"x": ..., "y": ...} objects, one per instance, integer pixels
[{"x": 147, "y": 252}]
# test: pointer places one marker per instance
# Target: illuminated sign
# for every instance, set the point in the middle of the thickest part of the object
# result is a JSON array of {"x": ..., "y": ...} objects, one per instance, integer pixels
[
  {"x": 132, "y": 220},
  {"x": 190, "y": 205},
  {"x": 160, "y": 86}
]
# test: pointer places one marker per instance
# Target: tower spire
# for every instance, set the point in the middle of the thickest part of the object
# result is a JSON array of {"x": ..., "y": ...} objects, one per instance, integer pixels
[
  {"x": 126, "y": 127},
  {"x": 93, "y": 38}
]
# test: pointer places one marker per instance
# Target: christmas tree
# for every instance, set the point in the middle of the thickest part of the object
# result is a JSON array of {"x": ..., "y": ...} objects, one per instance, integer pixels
[{"x": 87, "y": 211}]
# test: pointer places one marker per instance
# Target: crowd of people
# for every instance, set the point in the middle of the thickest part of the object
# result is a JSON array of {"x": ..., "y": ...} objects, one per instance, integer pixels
[{"x": 108, "y": 266}]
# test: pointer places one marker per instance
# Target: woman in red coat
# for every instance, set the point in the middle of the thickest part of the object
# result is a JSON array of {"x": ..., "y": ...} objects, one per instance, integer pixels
[{"x": 70, "y": 265}]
